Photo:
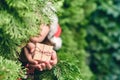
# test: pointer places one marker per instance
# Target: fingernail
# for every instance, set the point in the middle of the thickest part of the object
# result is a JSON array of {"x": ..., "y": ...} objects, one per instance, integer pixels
[
  {"x": 40, "y": 69},
  {"x": 36, "y": 62},
  {"x": 32, "y": 50},
  {"x": 51, "y": 61}
]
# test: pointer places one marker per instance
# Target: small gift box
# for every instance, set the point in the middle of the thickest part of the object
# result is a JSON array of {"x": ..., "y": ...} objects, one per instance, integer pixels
[{"x": 42, "y": 52}]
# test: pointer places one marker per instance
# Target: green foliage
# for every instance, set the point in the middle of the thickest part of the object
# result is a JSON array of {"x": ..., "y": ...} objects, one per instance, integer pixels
[
  {"x": 93, "y": 25},
  {"x": 67, "y": 71},
  {"x": 72, "y": 62},
  {"x": 102, "y": 35},
  {"x": 62, "y": 71},
  {"x": 10, "y": 70},
  {"x": 44, "y": 75},
  {"x": 76, "y": 12},
  {"x": 18, "y": 21},
  {"x": 73, "y": 50},
  {"x": 103, "y": 40},
  {"x": 68, "y": 64},
  {"x": 89, "y": 26}
]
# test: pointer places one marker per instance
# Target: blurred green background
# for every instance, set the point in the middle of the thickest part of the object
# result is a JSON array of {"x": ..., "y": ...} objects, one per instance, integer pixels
[{"x": 95, "y": 29}]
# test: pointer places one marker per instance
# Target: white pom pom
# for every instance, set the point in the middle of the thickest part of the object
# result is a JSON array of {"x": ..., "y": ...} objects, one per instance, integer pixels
[{"x": 57, "y": 41}]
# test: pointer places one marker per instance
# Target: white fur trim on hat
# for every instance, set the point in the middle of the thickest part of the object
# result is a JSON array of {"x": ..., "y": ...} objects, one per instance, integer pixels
[
  {"x": 49, "y": 10},
  {"x": 57, "y": 41},
  {"x": 53, "y": 26}
]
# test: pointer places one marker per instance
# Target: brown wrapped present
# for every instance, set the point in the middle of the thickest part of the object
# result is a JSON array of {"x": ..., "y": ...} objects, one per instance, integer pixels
[{"x": 42, "y": 52}]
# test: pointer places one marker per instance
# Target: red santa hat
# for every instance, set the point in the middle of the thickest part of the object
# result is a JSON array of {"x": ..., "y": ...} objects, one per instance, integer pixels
[
  {"x": 55, "y": 30},
  {"x": 56, "y": 39}
]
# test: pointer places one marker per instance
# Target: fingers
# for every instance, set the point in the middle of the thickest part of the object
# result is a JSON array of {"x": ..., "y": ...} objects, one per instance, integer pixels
[
  {"x": 53, "y": 60},
  {"x": 48, "y": 66},
  {"x": 39, "y": 67},
  {"x": 32, "y": 50},
  {"x": 43, "y": 66},
  {"x": 31, "y": 46}
]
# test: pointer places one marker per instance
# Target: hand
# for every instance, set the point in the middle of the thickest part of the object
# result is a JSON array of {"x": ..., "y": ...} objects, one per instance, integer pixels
[
  {"x": 52, "y": 62},
  {"x": 47, "y": 64},
  {"x": 31, "y": 47},
  {"x": 44, "y": 30},
  {"x": 33, "y": 63},
  {"x": 40, "y": 65},
  {"x": 28, "y": 56}
]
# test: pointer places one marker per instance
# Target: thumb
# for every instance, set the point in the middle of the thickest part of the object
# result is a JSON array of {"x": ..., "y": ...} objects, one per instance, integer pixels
[
  {"x": 32, "y": 61},
  {"x": 29, "y": 56},
  {"x": 53, "y": 59}
]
